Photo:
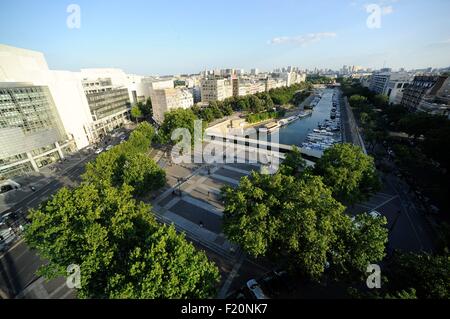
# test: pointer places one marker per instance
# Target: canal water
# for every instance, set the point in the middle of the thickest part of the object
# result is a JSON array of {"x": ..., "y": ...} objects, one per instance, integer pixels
[{"x": 295, "y": 133}]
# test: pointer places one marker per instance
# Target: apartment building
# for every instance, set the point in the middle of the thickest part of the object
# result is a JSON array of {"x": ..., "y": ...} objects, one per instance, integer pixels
[
  {"x": 273, "y": 83},
  {"x": 395, "y": 90},
  {"x": 216, "y": 89},
  {"x": 422, "y": 87},
  {"x": 164, "y": 100},
  {"x": 380, "y": 80},
  {"x": 109, "y": 106},
  {"x": 31, "y": 132},
  {"x": 437, "y": 102}
]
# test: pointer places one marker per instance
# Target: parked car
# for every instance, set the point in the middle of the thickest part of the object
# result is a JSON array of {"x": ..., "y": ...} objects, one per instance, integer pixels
[
  {"x": 99, "y": 150},
  {"x": 256, "y": 289},
  {"x": 109, "y": 147},
  {"x": 375, "y": 214}
]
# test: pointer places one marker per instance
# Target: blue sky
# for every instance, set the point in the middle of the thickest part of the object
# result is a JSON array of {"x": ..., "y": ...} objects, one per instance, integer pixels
[{"x": 169, "y": 37}]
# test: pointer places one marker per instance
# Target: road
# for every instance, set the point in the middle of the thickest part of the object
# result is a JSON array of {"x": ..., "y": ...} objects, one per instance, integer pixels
[
  {"x": 19, "y": 264},
  {"x": 408, "y": 228}
]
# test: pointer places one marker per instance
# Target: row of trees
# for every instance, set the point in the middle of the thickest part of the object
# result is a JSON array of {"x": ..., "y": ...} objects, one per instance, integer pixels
[
  {"x": 259, "y": 117},
  {"x": 411, "y": 275},
  {"x": 319, "y": 79},
  {"x": 128, "y": 163},
  {"x": 424, "y": 156},
  {"x": 293, "y": 216},
  {"x": 120, "y": 248},
  {"x": 253, "y": 104}
]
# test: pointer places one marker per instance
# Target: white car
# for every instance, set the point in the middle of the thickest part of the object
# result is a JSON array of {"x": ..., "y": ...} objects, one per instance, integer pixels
[
  {"x": 375, "y": 214},
  {"x": 98, "y": 151},
  {"x": 109, "y": 147},
  {"x": 256, "y": 289}
]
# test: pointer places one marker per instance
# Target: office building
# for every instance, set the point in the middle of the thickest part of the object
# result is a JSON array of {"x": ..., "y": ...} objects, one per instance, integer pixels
[
  {"x": 380, "y": 80},
  {"x": 21, "y": 65},
  {"x": 31, "y": 132},
  {"x": 423, "y": 86},
  {"x": 437, "y": 100},
  {"x": 395, "y": 90},
  {"x": 164, "y": 100},
  {"x": 109, "y": 106}
]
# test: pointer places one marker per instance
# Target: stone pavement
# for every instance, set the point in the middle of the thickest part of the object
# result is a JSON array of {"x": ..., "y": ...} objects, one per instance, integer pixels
[{"x": 193, "y": 202}]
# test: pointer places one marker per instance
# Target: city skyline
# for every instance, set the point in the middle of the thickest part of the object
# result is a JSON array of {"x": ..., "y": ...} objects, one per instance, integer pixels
[{"x": 157, "y": 40}]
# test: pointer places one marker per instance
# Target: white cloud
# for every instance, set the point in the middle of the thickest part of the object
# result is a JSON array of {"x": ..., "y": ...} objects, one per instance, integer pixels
[{"x": 303, "y": 39}]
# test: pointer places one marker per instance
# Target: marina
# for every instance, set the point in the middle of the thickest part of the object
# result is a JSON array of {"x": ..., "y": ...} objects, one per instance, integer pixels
[{"x": 315, "y": 129}]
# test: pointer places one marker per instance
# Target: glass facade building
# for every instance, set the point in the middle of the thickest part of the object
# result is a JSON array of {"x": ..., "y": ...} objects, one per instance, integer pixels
[
  {"x": 109, "y": 105},
  {"x": 31, "y": 132}
]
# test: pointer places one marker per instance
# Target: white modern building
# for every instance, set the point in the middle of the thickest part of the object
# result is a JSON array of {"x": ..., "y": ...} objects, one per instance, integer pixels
[
  {"x": 31, "y": 132},
  {"x": 20, "y": 65},
  {"x": 395, "y": 90},
  {"x": 109, "y": 106},
  {"x": 160, "y": 84}
]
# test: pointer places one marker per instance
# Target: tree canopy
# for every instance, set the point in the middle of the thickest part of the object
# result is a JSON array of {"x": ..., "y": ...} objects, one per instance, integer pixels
[
  {"x": 428, "y": 275},
  {"x": 178, "y": 118},
  {"x": 136, "y": 112},
  {"x": 295, "y": 219},
  {"x": 349, "y": 172},
  {"x": 357, "y": 100},
  {"x": 128, "y": 163},
  {"x": 121, "y": 250}
]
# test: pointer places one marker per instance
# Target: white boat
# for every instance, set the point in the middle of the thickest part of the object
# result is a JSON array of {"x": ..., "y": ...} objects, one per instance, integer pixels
[{"x": 272, "y": 126}]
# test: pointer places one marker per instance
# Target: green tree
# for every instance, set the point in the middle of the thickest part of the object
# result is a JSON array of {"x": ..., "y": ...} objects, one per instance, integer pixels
[
  {"x": 147, "y": 129},
  {"x": 293, "y": 164},
  {"x": 409, "y": 294},
  {"x": 178, "y": 118},
  {"x": 136, "y": 113},
  {"x": 142, "y": 173},
  {"x": 380, "y": 100},
  {"x": 349, "y": 172},
  {"x": 357, "y": 101},
  {"x": 121, "y": 250},
  {"x": 147, "y": 108},
  {"x": 428, "y": 274},
  {"x": 360, "y": 241},
  {"x": 128, "y": 163},
  {"x": 283, "y": 217}
]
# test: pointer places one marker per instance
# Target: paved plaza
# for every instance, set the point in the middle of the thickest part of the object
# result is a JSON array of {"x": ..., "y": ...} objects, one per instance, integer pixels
[{"x": 193, "y": 201}]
